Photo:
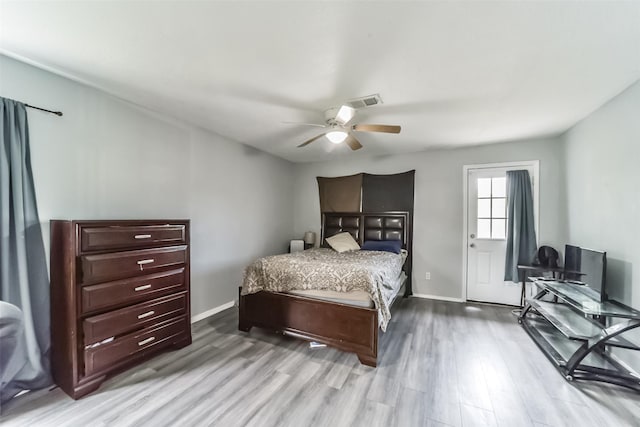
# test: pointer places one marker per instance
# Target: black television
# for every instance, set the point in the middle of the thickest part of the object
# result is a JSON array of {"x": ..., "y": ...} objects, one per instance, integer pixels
[{"x": 593, "y": 266}]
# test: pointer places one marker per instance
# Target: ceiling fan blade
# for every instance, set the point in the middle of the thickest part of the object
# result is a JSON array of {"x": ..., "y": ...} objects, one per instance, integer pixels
[
  {"x": 353, "y": 143},
  {"x": 376, "y": 128},
  {"x": 305, "y": 124},
  {"x": 309, "y": 141}
]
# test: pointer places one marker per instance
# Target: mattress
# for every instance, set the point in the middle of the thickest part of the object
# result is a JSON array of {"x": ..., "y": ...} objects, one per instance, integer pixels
[{"x": 356, "y": 298}]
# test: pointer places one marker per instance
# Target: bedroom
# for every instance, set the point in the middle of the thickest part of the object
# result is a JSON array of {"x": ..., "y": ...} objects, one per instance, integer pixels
[{"x": 182, "y": 118}]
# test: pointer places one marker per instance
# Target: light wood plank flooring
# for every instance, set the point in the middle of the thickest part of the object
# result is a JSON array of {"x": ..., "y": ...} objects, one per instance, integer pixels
[{"x": 440, "y": 364}]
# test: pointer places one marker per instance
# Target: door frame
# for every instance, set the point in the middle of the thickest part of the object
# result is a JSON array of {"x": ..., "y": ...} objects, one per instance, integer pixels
[{"x": 465, "y": 209}]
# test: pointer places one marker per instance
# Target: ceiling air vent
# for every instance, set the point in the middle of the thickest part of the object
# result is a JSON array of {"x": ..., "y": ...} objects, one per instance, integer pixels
[{"x": 365, "y": 101}]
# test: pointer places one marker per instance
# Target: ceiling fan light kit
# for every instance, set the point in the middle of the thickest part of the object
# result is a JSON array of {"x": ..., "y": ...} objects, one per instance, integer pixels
[
  {"x": 336, "y": 136},
  {"x": 337, "y": 118}
]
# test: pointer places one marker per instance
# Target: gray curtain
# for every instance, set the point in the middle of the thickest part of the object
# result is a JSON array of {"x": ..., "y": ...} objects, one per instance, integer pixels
[
  {"x": 521, "y": 232},
  {"x": 24, "y": 282}
]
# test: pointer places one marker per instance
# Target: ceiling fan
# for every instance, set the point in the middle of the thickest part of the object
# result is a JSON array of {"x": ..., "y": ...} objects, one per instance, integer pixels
[{"x": 339, "y": 130}]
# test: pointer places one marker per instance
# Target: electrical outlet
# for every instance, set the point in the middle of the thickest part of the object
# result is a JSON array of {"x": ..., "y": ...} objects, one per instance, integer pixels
[{"x": 427, "y": 275}]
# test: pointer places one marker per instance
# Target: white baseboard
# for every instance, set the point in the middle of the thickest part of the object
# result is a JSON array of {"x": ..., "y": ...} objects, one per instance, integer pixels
[
  {"x": 437, "y": 297},
  {"x": 213, "y": 311}
]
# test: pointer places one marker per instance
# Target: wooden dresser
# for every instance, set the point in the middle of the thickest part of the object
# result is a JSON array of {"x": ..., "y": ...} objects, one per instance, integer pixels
[{"x": 119, "y": 295}]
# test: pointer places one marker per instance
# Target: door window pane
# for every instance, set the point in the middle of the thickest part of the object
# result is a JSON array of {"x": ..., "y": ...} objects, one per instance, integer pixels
[
  {"x": 484, "y": 208},
  {"x": 484, "y": 187},
  {"x": 492, "y": 207},
  {"x": 498, "y": 208},
  {"x": 499, "y": 187},
  {"x": 498, "y": 229},
  {"x": 484, "y": 229}
]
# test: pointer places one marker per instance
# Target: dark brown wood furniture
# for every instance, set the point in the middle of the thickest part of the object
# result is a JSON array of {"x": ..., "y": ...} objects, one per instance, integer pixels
[
  {"x": 119, "y": 295},
  {"x": 346, "y": 327}
]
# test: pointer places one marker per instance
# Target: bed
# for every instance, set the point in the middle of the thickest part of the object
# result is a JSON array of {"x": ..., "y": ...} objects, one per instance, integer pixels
[{"x": 340, "y": 318}]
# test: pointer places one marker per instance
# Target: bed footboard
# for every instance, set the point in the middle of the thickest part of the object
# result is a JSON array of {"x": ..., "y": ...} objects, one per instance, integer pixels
[{"x": 347, "y": 328}]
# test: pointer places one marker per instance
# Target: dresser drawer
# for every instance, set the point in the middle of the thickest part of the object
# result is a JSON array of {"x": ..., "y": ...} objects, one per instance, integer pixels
[
  {"x": 138, "y": 316},
  {"x": 134, "y": 236},
  {"x": 120, "y": 292},
  {"x": 106, "y": 355},
  {"x": 100, "y": 268}
]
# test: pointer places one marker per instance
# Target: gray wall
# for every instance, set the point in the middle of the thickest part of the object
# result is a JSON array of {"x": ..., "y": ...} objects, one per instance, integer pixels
[
  {"x": 438, "y": 213},
  {"x": 603, "y": 195},
  {"x": 108, "y": 159},
  {"x": 603, "y": 189}
]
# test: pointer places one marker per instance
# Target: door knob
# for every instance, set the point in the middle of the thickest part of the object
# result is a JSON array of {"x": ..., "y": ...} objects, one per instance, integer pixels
[{"x": 472, "y": 245}]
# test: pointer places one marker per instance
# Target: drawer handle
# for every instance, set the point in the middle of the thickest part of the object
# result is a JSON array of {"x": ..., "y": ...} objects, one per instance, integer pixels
[
  {"x": 141, "y": 288},
  {"x": 146, "y": 261},
  {"x": 147, "y": 341},
  {"x": 147, "y": 314},
  {"x": 142, "y": 236}
]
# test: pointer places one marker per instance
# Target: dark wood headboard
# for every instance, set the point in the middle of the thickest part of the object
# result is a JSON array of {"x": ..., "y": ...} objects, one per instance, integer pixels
[{"x": 363, "y": 226}]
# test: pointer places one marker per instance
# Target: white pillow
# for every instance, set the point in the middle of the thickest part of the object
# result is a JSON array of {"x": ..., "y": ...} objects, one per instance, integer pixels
[{"x": 343, "y": 242}]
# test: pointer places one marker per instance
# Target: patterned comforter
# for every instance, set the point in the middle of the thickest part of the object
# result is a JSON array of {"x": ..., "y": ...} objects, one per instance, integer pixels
[{"x": 326, "y": 269}]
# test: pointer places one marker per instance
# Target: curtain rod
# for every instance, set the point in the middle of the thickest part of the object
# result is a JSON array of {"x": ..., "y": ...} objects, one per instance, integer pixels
[{"x": 57, "y": 113}]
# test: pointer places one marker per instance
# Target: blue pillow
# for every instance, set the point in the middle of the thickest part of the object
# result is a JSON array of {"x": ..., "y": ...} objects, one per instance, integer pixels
[{"x": 393, "y": 246}]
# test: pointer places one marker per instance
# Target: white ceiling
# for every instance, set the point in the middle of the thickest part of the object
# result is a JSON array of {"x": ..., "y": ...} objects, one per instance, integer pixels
[{"x": 450, "y": 73}]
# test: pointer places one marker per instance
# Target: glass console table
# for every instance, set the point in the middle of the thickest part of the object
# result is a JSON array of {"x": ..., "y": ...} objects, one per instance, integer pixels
[{"x": 578, "y": 333}]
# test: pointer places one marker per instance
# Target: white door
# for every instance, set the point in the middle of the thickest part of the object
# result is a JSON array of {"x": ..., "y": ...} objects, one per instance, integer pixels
[{"x": 486, "y": 236}]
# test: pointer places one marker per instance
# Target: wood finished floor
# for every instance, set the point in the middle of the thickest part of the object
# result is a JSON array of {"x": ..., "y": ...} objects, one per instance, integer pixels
[{"x": 440, "y": 364}]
